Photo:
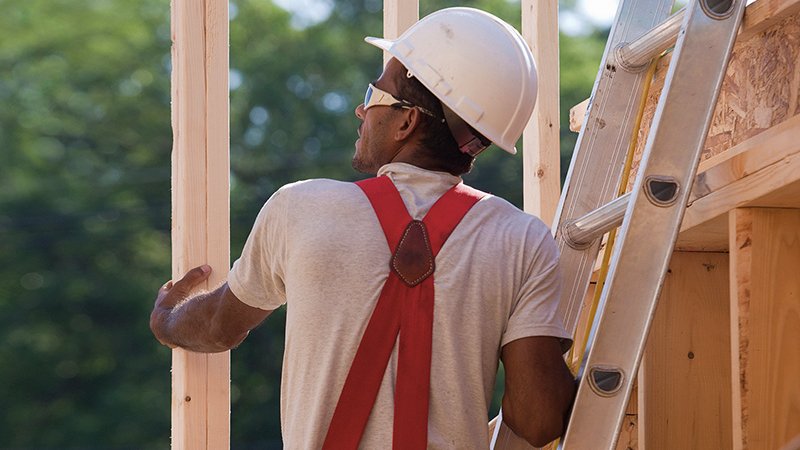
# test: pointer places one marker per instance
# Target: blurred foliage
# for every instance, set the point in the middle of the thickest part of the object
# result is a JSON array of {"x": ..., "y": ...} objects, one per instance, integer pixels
[{"x": 85, "y": 196}]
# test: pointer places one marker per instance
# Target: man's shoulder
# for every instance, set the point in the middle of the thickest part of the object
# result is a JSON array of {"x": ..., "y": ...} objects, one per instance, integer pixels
[
  {"x": 503, "y": 211},
  {"x": 317, "y": 187}
]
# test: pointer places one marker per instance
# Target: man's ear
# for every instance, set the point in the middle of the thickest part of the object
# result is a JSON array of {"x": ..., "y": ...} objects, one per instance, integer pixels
[{"x": 412, "y": 119}]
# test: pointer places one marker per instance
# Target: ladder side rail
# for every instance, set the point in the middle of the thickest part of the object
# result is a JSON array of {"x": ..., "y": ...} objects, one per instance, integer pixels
[
  {"x": 648, "y": 233},
  {"x": 602, "y": 143}
]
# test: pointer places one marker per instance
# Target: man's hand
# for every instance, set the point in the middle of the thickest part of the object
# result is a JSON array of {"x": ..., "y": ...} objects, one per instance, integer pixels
[
  {"x": 209, "y": 322},
  {"x": 169, "y": 297}
]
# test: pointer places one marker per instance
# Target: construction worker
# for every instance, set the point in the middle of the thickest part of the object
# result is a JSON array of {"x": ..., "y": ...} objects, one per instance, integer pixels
[{"x": 404, "y": 290}]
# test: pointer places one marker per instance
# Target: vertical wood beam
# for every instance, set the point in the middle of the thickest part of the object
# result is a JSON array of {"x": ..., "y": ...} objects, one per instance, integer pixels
[
  {"x": 200, "y": 207},
  {"x": 541, "y": 176},
  {"x": 541, "y": 179},
  {"x": 765, "y": 326},
  {"x": 684, "y": 377},
  {"x": 398, "y": 15}
]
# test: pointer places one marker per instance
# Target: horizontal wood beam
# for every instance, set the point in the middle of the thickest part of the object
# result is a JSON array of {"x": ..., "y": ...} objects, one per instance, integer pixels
[{"x": 762, "y": 14}]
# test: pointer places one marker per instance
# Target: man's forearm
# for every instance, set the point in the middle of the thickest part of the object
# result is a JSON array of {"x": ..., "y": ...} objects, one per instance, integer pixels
[{"x": 193, "y": 325}]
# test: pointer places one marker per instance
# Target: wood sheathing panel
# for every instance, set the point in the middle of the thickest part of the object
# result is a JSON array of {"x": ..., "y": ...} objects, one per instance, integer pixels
[
  {"x": 685, "y": 374},
  {"x": 761, "y": 89}
]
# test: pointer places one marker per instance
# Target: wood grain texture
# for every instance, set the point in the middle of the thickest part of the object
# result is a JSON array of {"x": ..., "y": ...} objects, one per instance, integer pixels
[
  {"x": 762, "y": 171},
  {"x": 577, "y": 114},
  {"x": 200, "y": 230},
  {"x": 763, "y": 14},
  {"x": 765, "y": 326},
  {"x": 684, "y": 376},
  {"x": 764, "y": 149},
  {"x": 629, "y": 433},
  {"x": 398, "y": 15},
  {"x": 541, "y": 175}
]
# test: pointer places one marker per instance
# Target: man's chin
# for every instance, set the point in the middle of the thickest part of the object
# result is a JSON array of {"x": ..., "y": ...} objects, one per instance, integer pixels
[
  {"x": 362, "y": 166},
  {"x": 359, "y": 166}
]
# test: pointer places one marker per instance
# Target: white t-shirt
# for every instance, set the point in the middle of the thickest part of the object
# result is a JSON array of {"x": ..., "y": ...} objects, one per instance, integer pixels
[{"x": 318, "y": 247}]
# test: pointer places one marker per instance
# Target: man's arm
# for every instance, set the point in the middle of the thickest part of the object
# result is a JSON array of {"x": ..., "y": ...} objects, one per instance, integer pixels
[
  {"x": 539, "y": 389},
  {"x": 209, "y": 322}
]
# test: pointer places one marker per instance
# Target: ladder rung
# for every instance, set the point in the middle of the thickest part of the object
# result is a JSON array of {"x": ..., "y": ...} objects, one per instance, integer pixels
[
  {"x": 584, "y": 230},
  {"x": 634, "y": 56}
]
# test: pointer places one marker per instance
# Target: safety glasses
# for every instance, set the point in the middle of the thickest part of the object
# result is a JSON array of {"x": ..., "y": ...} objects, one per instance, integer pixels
[{"x": 375, "y": 97}]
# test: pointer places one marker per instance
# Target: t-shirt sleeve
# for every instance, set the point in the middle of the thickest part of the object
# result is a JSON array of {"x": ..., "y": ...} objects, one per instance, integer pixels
[
  {"x": 257, "y": 277},
  {"x": 535, "y": 312}
]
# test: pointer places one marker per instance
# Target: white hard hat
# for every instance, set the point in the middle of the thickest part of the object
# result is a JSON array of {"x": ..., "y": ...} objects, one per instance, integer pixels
[{"x": 477, "y": 65}]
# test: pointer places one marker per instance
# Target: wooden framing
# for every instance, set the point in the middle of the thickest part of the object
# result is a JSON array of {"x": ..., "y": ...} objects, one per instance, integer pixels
[
  {"x": 200, "y": 207},
  {"x": 765, "y": 326},
  {"x": 751, "y": 155},
  {"x": 541, "y": 176},
  {"x": 398, "y": 15},
  {"x": 684, "y": 377},
  {"x": 745, "y": 201},
  {"x": 751, "y": 167}
]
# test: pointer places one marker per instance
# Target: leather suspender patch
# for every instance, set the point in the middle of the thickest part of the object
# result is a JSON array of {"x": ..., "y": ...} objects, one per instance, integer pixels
[{"x": 413, "y": 259}]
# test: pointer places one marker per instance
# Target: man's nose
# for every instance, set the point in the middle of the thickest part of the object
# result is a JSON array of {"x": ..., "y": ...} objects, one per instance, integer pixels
[{"x": 360, "y": 111}]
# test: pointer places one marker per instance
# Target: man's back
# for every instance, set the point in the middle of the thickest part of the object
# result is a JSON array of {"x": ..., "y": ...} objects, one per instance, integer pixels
[{"x": 318, "y": 247}]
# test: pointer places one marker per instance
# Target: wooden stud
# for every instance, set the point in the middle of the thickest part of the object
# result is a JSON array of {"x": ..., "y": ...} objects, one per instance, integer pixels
[
  {"x": 541, "y": 173},
  {"x": 577, "y": 114},
  {"x": 200, "y": 212},
  {"x": 541, "y": 176},
  {"x": 629, "y": 433},
  {"x": 765, "y": 326},
  {"x": 398, "y": 15},
  {"x": 684, "y": 376}
]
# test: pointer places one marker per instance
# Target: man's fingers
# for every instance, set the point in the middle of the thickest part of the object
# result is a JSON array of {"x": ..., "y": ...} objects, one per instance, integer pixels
[
  {"x": 167, "y": 286},
  {"x": 193, "y": 278}
]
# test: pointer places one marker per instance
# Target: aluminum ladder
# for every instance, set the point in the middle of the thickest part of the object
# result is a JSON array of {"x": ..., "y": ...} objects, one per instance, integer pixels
[{"x": 650, "y": 215}]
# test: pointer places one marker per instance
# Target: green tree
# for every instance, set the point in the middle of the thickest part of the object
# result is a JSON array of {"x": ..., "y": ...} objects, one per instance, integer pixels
[{"x": 84, "y": 214}]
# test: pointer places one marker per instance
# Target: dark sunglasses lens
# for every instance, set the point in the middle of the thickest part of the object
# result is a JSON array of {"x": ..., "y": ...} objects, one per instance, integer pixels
[{"x": 368, "y": 95}]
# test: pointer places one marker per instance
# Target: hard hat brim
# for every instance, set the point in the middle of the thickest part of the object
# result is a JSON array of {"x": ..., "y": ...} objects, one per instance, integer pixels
[{"x": 381, "y": 43}]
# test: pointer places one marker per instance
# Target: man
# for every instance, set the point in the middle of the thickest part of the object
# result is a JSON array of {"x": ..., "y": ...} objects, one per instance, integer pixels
[{"x": 400, "y": 342}]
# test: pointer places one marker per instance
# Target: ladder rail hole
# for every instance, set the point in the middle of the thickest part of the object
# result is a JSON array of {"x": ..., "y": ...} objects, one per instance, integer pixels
[{"x": 718, "y": 9}]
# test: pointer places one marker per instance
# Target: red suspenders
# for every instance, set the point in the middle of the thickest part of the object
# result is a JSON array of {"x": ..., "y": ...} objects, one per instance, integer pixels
[{"x": 405, "y": 306}]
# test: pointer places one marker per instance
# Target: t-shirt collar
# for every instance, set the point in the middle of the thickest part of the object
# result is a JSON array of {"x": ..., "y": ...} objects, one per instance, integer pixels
[{"x": 399, "y": 171}]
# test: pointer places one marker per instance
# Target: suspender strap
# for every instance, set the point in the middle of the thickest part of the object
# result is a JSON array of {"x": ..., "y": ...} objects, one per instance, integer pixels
[{"x": 405, "y": 307}]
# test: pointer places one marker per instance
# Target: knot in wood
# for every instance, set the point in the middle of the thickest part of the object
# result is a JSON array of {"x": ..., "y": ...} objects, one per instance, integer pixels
[{"x": 413, "y": 259}]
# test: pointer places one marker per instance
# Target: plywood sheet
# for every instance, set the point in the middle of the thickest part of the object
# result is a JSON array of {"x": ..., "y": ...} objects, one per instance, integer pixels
[{"x": 685, "y": 373}]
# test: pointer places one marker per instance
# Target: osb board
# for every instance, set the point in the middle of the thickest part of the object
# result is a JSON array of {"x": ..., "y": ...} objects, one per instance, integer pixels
[
  {"x": 761, "y": 89},
  {"x": 685, "y": 375}
]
